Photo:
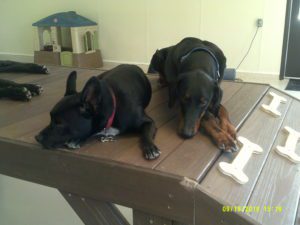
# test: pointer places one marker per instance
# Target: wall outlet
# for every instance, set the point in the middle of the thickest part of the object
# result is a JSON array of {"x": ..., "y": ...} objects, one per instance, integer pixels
[{"x": 259, "y": 22}]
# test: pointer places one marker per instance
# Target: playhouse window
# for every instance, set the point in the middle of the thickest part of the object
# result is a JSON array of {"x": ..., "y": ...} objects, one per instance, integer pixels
[
  {"x": 89, "y": 41},
  {"x": 47, "y": 42}
]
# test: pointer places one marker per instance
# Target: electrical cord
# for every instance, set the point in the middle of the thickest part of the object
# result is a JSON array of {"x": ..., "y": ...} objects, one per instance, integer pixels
[{"x": 257, "y": 28}]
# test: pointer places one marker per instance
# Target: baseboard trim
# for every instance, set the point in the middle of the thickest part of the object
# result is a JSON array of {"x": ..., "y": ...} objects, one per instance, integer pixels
[
  {"x": 117, "y": 62},
  {"x": 257, "y": 72},
  {"x": 112, "y": 63}
]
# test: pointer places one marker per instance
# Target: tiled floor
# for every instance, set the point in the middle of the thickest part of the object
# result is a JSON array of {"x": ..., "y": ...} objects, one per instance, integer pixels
[{"x": 273, "y": 80}]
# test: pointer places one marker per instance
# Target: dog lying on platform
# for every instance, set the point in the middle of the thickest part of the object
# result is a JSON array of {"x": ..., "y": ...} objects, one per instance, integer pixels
[
  {"x": 15, "y": 91},
  {"x": 193, "y": 70},
  {"x": 114, "y": 101}
]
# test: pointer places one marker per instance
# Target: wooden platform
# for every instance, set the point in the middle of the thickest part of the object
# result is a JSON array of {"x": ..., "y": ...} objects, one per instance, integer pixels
[{"x": 182, "y": 185}]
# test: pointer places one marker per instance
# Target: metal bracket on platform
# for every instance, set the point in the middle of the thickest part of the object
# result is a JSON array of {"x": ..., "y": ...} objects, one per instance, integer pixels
[
  {"x": 272, "y": 108},
  {"x": 235, "y": 169},
  {"x": 289, "y": 149}
]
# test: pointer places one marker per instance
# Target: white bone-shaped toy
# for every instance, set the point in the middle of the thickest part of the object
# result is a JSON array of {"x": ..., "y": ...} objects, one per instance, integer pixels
[
  {"x": 235, "y": 169},
  {"x": 289, "y": 149},
  {"x": 272, "y": 107}
]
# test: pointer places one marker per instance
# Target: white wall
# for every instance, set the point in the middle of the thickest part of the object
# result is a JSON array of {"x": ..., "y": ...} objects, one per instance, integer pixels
[
  {"x": 23, "y": 203},
  {"x": 26, "y": 203},
  {"x": 130, "y": 31}
]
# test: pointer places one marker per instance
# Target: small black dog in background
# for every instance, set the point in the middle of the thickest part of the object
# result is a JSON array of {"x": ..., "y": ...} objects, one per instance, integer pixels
[{"x": 15, "y": 91}]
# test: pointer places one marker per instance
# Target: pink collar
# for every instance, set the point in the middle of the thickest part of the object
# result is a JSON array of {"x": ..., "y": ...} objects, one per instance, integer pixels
[{"x": 112, "y": 116}]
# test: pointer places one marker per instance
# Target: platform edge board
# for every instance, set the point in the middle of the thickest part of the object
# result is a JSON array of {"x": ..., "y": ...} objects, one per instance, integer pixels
[
  {"x": 209, "y": 208},
  {"x": 160, "y": 194},
  {"x": 93, "y": 212},
  {"x": 278, "y": 174},
  {"x": 225, "y": 187},
  {"x": 145, "y": 190}
]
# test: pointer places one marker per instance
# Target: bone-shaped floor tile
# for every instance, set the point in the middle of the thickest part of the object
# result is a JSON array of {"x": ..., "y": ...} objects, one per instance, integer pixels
[
  {"x": 289, "y": 149},
  {"x": 272, "y": 108},
  {"x": 235, "y": 169}
]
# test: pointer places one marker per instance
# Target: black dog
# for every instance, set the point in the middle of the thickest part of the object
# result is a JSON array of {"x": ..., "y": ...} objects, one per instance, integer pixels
[
  {"x": 23, "y": 92},
  {"x": 116, "y": 98},
  {"x": 193, "y": 70}
]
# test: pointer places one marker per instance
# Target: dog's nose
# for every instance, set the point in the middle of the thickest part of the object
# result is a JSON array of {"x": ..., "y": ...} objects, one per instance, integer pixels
[
  {"x": 39, "y": 138},
  {"x": 187, "y": 134}
]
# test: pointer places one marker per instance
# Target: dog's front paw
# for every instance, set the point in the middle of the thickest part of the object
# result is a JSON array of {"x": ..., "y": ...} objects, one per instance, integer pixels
[
  {"x": 225, "y": 142},
  {"x": 150, "y": 151},
  {"x": 44, "y": 70},
  {"x": 229, "y": 128},
  {"x": 35, "y": 89},
  {"x": 21, "y": 94}
]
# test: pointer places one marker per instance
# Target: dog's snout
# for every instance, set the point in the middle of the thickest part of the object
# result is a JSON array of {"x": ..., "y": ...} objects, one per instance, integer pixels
[
  {"x": 39, "y": 138},
  {"x": 186, "y": 134}
]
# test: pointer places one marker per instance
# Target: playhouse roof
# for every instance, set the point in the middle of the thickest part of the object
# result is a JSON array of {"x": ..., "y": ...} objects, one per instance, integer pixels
[{"x": 64, "y": 19}]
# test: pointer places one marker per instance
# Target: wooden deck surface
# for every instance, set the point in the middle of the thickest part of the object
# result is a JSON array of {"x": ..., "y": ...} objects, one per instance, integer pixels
[{"x": 273, "y": 180}]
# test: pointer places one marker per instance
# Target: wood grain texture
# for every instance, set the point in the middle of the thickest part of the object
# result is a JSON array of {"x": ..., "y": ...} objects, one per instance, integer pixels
[
  {"x": 93, "y": 212},
  {"x": 230, "y": 89},
  {"x": 260, "y": 128},
  {"x": 146, "y": 190},
  {"x": 195, "y": 156},
  {"x": 278, "y": 186},
  {"x": 244, "y": 101},
  {"x": 141, "y": 218}
]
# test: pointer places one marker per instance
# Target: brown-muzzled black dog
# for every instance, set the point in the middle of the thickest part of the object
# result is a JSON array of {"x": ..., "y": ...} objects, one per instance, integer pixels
[
  {"x": 193, "y": 70},
  {"x": 15, "y": 91},
  {"x": 115, "y": 99}
]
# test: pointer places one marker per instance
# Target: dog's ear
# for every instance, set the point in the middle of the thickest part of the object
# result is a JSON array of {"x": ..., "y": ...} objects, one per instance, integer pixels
[
  {"x": 154, "y": 62},
  {"x": 173, "y": 89},
  {"x": 71, "y": 84},
  {"x": 91, "y": 94},
  {"x": 158, "y": 61},
  {"x": 216, "y": 99}
]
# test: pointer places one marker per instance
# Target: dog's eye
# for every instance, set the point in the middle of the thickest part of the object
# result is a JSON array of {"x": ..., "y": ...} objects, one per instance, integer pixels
[{"x": 85, "y": 110}]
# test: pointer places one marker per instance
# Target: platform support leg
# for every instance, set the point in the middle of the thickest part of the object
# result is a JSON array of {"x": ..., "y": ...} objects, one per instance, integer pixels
[
  {"x": 142, "y": 218},
  {"x": 93, "y": 212}
]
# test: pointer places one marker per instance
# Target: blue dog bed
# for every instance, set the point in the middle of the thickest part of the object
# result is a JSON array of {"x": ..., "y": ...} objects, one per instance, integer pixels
[{"x": 229, "y": 74}]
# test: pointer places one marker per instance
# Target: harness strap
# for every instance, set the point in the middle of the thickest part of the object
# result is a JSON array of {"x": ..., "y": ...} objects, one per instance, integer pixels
[{"x": 205, "y": 50}]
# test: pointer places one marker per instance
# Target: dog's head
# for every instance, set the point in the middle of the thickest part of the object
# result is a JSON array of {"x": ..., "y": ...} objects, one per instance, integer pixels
[
  {"x": 157, "y": 62},
  {"x": 196, "y": 94},
  {"x": 69, "y": 123}
]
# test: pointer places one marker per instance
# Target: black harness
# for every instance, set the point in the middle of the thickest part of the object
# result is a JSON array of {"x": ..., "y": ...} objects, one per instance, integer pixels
[{"x": 207, "y": 51}]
